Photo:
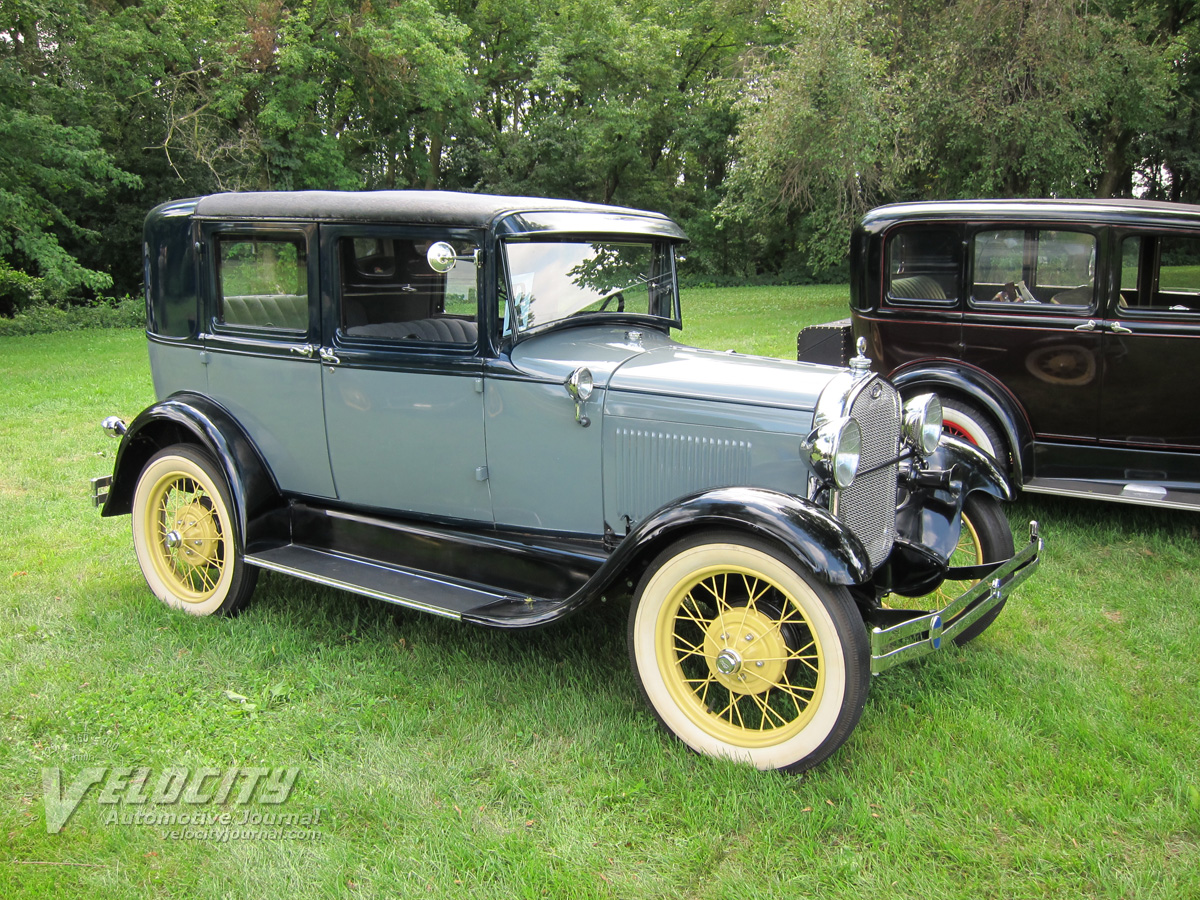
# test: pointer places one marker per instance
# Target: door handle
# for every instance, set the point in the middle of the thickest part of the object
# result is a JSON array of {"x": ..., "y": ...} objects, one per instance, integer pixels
[
  {"x": 1118, "y": 328},
  {"x": 306, "y": 350},
  {"x": 1089, "y": 325},
  {"x": 328, "y": 357}
]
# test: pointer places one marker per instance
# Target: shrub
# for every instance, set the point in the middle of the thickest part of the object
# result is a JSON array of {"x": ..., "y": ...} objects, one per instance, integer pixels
[{"x": 107, "y": 312}]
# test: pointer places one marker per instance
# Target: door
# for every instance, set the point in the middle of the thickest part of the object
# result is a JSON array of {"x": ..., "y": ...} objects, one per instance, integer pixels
[
  {"x": 401, "y": 372},
  {"x": 1153, "y": 344},
  {"x": 1032, "y": 322},
  {"x": 262, "y": 322}
]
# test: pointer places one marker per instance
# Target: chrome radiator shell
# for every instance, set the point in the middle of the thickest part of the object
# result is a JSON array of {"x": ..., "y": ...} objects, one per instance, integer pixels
[{"x": 868, "y": 505}]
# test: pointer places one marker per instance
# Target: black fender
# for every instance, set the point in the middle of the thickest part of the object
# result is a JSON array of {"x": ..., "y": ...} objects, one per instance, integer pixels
[
  {"x": 820, "y": 542},
  {"x": 929, "y": 519},
  {"x": 973, "y": 469},
  {"x": 953, "y": 378},
  {"x": 187, "y": 418},
  {"x": 810, "y": 533}
]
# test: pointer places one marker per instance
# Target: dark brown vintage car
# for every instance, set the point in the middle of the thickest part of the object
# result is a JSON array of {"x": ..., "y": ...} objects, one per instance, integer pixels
[{"x": 1062, "y": 336}]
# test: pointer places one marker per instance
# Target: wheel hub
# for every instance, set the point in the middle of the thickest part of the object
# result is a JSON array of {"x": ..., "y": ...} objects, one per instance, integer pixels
[
  {"x": 746, "y": 651},
  {"x": 195, "y": 535}
]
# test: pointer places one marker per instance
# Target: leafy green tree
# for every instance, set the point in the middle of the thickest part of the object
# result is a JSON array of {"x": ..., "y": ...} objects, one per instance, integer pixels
[
  {"x": 823, "y": 118},
  {"x": 47, "y": 166}
]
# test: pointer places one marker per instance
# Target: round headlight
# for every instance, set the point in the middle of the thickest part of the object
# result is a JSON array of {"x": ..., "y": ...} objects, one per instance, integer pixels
[
  {"x": 580, "y": 384},
  {"x": 835, "y": 450},
  {"x": 923, "y": 423}
]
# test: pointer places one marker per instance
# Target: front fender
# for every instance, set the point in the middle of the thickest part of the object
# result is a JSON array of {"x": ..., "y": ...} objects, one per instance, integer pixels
[
  {"x": 959, "y": 379},
  {"x": 187, "y": 418},
  {"x": 929, "y": 519},
  {"x": 818, "y": 540},
  {"x": 976, "y": 469}
]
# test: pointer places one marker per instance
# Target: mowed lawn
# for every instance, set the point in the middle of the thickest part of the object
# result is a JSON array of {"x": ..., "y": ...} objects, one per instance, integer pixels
[{"x": 1054, "y": 757}]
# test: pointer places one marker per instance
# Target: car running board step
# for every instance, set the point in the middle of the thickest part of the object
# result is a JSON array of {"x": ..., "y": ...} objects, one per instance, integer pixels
[
  {"x": 407, "y": 587},
  {"x": 1136, "y": 492}
]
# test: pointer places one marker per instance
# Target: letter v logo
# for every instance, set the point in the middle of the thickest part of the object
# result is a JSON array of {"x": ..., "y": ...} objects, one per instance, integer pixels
[{"x": 59, "y": 806}]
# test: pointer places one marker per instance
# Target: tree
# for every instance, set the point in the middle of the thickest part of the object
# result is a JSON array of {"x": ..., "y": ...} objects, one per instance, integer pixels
[
  {"x": 47, "y": 167},
  {"x": 819, "y": 139}
]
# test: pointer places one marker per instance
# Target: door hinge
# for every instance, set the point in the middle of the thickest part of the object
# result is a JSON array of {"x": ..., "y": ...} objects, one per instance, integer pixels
[{"x": 481, "y": 473}]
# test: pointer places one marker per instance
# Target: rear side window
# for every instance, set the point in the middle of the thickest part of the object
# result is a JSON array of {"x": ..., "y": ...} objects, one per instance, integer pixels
[
  {"x": 263, "y": 282},
  {"x": 923, "y": 267},
  {"x": 1160, "y": 273},
  {"x": 1033, "y": 267}
]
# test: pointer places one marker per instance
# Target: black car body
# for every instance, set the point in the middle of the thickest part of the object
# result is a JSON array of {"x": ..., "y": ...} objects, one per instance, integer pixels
[{"x": 1060, "y": 335}]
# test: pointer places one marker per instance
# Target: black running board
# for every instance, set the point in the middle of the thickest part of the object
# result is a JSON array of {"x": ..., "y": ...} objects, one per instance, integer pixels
[
  {"x": 1139, "y": 493},
  {"x": 424, "y": 591}
]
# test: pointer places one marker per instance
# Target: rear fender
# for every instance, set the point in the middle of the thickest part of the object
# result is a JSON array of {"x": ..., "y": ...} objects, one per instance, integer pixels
[{"x": 186, "y": 418}]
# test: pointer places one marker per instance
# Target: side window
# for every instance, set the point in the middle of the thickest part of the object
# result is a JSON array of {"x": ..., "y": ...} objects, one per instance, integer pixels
[
  {"x": 390, "y": 292},
  {"x": 262, "y": 282},
  {"x": 923, "y": 267},
  {"x": 1034, "y": 267},
  {"x": 1160, "y": 273}
]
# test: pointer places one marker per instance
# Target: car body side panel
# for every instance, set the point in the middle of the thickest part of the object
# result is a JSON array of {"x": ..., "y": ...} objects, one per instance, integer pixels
[
  {"x": 543, "y": 465},
  {"x": 177, "y": 366},
  {"x": 273, "y": 398},
  {"x": 1047, "y": 360},
  {"x": 660, "y": 448},
  {"x": 1141, "y": 408},
  {"x": 407, "y": 440}
]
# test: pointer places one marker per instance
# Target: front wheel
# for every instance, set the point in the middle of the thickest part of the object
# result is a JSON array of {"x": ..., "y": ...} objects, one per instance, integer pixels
[
  {"x": 185, "y": 537},
  {"x": 743, "y": 655},
  {"x": 966, "y": 421}
]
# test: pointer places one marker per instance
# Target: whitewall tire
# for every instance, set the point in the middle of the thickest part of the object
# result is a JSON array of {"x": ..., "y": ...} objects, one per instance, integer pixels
[
  {"x": 743, "y": 654},
  {"x": 185, "y": 535}
]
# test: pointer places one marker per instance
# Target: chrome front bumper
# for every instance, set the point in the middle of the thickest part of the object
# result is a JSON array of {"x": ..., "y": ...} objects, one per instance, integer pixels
[{"x": 928, "y": 633}]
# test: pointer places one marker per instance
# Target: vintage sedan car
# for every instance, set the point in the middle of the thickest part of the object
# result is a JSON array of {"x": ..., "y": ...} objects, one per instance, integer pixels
[
  {"x": 473, "y": 406},
  {"x": 1056, "y": 333}
]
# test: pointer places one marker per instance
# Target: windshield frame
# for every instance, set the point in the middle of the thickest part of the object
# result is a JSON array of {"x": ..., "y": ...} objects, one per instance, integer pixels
[{"x": 656, "y": 243}]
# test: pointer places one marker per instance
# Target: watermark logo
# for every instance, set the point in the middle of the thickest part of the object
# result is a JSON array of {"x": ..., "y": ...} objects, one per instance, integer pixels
[{"x": 170, "y": 798}]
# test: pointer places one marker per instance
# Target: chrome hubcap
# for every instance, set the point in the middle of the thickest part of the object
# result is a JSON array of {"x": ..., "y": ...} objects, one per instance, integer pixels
[{"x": 728, "y": 662}]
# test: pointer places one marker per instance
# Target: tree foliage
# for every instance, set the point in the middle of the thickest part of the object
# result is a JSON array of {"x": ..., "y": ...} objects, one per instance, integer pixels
[{"x": 766, "y": 126}]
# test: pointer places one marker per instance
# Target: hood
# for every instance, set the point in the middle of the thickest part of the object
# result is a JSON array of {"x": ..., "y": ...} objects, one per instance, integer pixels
[
  {"x": 679, "y": 371},
  {"x": 557, "y": 354}
]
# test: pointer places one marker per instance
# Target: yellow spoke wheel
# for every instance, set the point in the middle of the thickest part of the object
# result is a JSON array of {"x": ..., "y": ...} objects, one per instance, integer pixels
[
  {"x": 743, "y": 654},
  {"x": 184, "y": 534}
]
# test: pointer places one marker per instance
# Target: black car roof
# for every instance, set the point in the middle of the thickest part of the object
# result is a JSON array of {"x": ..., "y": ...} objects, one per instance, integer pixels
[
  {"x": 1106, "y": 210},
  {"x": 417, "y": 207}
]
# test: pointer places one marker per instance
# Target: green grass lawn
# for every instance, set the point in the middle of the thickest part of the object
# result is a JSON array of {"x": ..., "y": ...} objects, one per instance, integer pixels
[{"x": 1054, "y": 757}]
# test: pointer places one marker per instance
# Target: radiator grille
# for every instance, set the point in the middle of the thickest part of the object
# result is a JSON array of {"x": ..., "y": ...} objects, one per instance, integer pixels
[
  {"x": 868, "y": 506},
  {"x": 653, "y": 467}
]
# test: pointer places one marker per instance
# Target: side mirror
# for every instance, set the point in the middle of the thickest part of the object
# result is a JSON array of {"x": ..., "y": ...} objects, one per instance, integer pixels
[{"x": 441, "y": 257}]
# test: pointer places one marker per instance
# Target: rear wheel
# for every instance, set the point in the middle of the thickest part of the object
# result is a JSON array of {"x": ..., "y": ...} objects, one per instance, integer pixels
[
  {"x": 185, "y": 537},
  {"x": 743, "y": 655}
]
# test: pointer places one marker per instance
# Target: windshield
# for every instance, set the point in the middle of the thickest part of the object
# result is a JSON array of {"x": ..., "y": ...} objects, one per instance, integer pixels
[{"x": 554, "y": 280}]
